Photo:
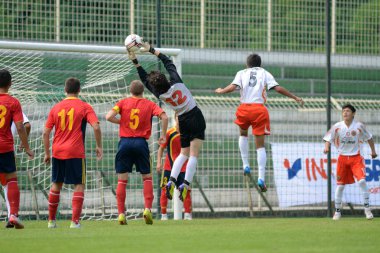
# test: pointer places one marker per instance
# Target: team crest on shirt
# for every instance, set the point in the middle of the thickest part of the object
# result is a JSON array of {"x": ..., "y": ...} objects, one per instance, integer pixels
[{"x": 353, "y": 133}]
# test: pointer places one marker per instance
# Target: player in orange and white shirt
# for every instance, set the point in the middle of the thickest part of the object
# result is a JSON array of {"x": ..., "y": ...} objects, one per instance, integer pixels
[
  {"x": 173, "y": 149},
  {"x": 176, "y": 95},
  {"x": 135, "y": 122},
  {"x": 69, "y": 118},
  {"x": 253, "y": 83},
  {"x": 10, "y": 111},
  {"x": 347, "y": 136}
]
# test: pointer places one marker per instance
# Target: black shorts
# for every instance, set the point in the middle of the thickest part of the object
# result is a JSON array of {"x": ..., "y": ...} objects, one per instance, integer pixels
[
  {"x": 133, "y": 151},
  {"x": 192, "y": 125},
  {"x": 166, "y": 177},
  {"x": 7, "y": 162},
  {"x": 69, "y": 171}
]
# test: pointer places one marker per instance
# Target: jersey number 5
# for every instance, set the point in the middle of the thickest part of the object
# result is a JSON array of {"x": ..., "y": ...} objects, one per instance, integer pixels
[
  {"x": 3, "y": 111},
  {"x": 176, "y": 99},
  {"x": 62, "y": 114},
  {"x": 134, "y": 117}
]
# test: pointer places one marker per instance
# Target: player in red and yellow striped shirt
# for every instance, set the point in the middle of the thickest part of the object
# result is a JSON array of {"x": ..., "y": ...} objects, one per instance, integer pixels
[
  {"x": 10, "y": 111},
  {"x": 173, "y": 149},
  {"x": 135, "y": 122},
  {"x": 69, "y": 118}
]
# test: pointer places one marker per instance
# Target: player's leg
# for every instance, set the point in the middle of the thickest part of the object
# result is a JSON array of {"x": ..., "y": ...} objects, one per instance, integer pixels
[
  {"x": 76, "y": 175},
  {"x": 243, "y": 121},
  {"x": 163, "y": 198},
  {"x": 177, "y": 165},
  {"x": 187, "y": 201},
  {"x": 3, "y": 182},
  {"x": 260, "y": 128},
  {"x": 8, "y": 166},
  {"x": 142, "y": 160},
  {"x": 338, "y": 201},
  {"x": 244, "y": 150},
  {"x": 261, "y": 161},
  {"x": 358, "y": 171},
  {"x": 123, "y": 166},
  {"x": 57, "y": 178}
]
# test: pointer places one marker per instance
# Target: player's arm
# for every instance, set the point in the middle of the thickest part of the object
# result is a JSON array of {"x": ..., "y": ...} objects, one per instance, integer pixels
[
  {"x": 329, "y": 136},
  {"x": 371, "y": 144},
  {"x": 142, "y": 73},
  {"x": 168, "y": 64},
  {"x": 24, "y": 138},
  {"x": 46, "y": 140},
  {"x": 28, "y": 128},
  {"x": 160, "y": 152},
  {"x": 285, "y": 92},
  {"x": 327, "y": 147},
  {"x": 164, "y": 127},
  {"x": 98, "y": 140},
  {"x": 227, "y": 89},
  {"x": 111, "y": 116}
]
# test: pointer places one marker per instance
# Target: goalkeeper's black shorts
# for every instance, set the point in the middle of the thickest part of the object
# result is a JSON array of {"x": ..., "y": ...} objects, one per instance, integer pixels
[{"x": 192, "y": 125}]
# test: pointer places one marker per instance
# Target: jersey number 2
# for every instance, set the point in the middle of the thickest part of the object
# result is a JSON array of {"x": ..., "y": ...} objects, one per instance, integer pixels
[
  {"x": 62, "y": 114},
  {"x": 176, "y": 99},
  {"x": 3, "y": 111}
]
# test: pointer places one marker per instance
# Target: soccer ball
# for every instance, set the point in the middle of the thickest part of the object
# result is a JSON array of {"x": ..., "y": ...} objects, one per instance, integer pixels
[{"x": 133, "y": 42}]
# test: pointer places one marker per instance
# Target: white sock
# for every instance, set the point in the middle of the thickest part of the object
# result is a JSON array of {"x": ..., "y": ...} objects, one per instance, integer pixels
[
  {"x": 262, "y": 161},
  {"x": 338, "y": 196},
  {"x": 177, "y": 165},
  {"x": 363, "y": 185},
  {"x": 191, "y": 168},
  {"x": 243, "y": 145}
]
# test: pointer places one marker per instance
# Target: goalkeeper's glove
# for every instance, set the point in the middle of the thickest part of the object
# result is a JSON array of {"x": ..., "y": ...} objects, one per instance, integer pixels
[
  {"x": 132, "y": 57},
  {"x": 146, "y": 47}
]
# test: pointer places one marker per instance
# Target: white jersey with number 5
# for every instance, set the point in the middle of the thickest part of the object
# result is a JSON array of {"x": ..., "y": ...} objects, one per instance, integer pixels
[
  {"x": 253, "y": 83},
  {"x": 347, "y": 139},
  {"x": 179, "y": 98}
]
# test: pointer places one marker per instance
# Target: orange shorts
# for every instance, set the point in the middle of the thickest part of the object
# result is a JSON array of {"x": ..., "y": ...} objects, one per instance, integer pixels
[
  {"x": 3, "y": 180},
  {"x": 350, "y": 168},
  {"x": 255, "y": 115}
]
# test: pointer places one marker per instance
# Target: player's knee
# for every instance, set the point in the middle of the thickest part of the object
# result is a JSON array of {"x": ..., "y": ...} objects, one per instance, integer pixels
[
  {"x": 122, "y": 176},
  {"x": 79, "y": 188}
]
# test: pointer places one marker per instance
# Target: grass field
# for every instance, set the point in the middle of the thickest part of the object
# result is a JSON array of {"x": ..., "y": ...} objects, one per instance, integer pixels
[{"x": 200, "y": 235}]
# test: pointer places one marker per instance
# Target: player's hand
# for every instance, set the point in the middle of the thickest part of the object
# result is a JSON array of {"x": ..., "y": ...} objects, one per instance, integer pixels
[
  {"x": 159, "y": 167},
  {"x": 21, "y": 147},
  {"x": 219, "y": 91},
  {"x": 30, "y": 153},
  {"x": 300, "y": 101},
  {"x": 326, "y": 149},
  {"x": 162, "y": 140},
  {"x": 47, "y": 159},
  {"x": 131, "y": 55},
  {"x": 99, "y": 153},
  {"x": 146, "y": 47},
  {"x": 373, "y": 155}
]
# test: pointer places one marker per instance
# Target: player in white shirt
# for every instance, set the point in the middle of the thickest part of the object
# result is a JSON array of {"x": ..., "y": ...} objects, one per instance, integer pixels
[
  {"x": 2, "y": 176},
  {"x": 192, "y": 124},
  {"x": 253, "y": 82},
  {"x": 347, "y": 136}
]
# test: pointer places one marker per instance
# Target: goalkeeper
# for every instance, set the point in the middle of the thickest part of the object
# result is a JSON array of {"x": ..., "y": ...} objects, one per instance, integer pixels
[{"x": 192, "y": 124}]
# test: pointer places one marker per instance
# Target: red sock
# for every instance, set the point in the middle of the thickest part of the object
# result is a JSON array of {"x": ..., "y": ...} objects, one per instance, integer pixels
[
  {"x": 163, "y": 200},
  {"x": 13, "y": 194},
  {"x": 121, "y": 194},
  {"x": 53, "y": 204},
  {"x": 148, "y": 192},
  {"x": 187, "y": 202},
  {"x": 77, "y": 203}
]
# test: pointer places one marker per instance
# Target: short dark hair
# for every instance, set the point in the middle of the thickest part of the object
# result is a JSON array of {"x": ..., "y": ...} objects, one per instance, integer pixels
[
  {"x": 72, "y": 85},
  {"x": 158, "y": 81},
  {"x": 136, "y": 87},
  {"x": 253, "y": 60},
  {"x": 349, "y": 106},
  {"x": 5, "y": 78}
]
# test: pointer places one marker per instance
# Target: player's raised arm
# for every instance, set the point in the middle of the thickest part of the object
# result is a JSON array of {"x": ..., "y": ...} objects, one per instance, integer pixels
[
  {"x": 287, "y": 93},
  {"x": 229, "y": 88},
  {"x": 168, "y": 64}
]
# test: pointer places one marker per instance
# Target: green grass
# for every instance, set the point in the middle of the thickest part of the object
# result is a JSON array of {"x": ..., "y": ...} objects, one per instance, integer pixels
[{"x": 200, "y": 235}]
